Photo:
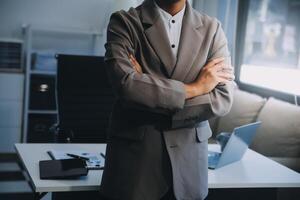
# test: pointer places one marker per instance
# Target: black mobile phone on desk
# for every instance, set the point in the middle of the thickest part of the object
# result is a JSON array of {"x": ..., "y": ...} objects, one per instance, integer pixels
[{"x": 62, "y": 169}]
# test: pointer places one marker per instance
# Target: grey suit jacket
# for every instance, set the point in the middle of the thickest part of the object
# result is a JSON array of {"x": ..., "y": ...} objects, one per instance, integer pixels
[{"x": 152, "y": 125}]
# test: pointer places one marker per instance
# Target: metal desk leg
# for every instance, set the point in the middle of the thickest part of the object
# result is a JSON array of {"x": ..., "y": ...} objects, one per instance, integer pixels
[
  {"x": 36, "y": 195},
  {"x": 39, "y": 195}
]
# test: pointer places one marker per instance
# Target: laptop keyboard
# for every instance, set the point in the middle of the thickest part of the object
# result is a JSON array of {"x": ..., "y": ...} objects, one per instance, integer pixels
[{"x": 213, "y": 159}]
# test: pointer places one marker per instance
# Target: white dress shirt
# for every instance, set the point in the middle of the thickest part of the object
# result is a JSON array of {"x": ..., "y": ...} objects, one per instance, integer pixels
[{"x": 173, "y": 26}]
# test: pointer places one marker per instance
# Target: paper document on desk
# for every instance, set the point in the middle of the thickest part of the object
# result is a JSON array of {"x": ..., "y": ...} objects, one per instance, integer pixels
[{"x": 93, "y": 160}]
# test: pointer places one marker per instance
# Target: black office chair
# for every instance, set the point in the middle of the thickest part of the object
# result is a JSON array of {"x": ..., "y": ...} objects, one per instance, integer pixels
[{"x": 84, "y": 99}]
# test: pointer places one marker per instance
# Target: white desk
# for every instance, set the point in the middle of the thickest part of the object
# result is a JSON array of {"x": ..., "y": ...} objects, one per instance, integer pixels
[
  {"x": 254, "y": 171},
  {"x": 31, "y": 154}
]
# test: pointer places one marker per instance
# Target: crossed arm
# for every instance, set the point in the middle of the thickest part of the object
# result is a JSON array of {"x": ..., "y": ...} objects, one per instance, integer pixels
[
  {"x": 213, "y": 73},
  {"x": 187, "y": 104}
]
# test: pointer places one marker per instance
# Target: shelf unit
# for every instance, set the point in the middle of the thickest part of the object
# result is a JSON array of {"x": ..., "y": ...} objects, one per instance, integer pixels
[
  {"x": 41, "y": 72},
  {"x": 42, "y": 111},
  {"x": 28, "y": 35}
]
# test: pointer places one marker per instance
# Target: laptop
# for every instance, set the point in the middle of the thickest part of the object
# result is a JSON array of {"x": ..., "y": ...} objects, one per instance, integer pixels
[{"x": 235, "y": 148}]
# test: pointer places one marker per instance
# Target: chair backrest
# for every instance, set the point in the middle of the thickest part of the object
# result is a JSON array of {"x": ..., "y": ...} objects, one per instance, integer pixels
[{"x": 84, "y": 98}]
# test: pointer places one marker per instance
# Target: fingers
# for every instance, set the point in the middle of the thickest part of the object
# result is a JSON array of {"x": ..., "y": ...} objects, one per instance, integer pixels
[
  {"x": 226, "y": 75},
  {"x": 220, "y": 69},
  {"x": 135, "y": 64},
  {"x": 219, "y": 64},
  {"x": 214, "y": 62},
  {"x": 225, "y": 68},
  {"x": 132, "y": 60},
  {"x": 223, "y": 81}
]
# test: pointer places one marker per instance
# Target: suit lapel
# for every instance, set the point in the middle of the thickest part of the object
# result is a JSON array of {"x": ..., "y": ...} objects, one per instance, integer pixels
[
  {"x": 157, "y": 36},
  {"x": 190, "y": 39},
  {"x": 189, "y": 46}
]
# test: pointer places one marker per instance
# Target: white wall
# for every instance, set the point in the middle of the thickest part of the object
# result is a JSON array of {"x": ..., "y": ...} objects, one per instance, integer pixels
[
  {"x": 11, "y": 100},
  {"x": 57, "y": 13},
  {"x": 78, "y": 14},
  {"x": 51, "y": 13}
]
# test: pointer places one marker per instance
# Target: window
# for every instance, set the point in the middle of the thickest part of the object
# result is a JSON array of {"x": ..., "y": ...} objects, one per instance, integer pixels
[{"x": 271, "y": 53}]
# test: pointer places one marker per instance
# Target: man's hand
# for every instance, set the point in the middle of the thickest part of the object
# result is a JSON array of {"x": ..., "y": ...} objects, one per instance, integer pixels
[
  {"x": 135, "y": 64},
  {"x": 213, "y": 73}
]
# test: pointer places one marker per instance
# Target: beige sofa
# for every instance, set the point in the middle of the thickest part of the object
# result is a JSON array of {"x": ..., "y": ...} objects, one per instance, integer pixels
[{"x": 279, "y": 135}]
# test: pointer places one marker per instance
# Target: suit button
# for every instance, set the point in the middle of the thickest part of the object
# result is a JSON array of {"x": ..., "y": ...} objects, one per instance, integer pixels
[{"x": 173, "y": 46}]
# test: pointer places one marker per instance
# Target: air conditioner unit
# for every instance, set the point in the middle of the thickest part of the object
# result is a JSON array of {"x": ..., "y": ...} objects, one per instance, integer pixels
[{"x": 11, "y": 55}]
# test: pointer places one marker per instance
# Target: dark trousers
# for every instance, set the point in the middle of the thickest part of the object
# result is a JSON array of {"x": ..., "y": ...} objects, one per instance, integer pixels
[{"x": 168, "y": 175}]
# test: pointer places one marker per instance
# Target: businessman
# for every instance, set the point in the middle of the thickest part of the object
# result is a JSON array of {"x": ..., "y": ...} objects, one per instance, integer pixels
[{"x": 170, "y": 70}]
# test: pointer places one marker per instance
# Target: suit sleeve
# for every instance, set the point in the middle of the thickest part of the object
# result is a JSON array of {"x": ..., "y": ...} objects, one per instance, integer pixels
[
  {"x": 144, "y": 90},
  {"x": 214, "y": 104}
]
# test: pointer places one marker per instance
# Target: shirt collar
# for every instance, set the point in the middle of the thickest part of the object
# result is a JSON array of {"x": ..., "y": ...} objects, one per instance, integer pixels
[{"x": 167, "y": 16}]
